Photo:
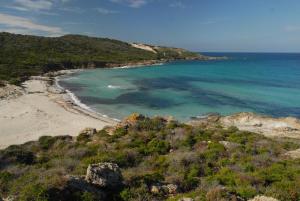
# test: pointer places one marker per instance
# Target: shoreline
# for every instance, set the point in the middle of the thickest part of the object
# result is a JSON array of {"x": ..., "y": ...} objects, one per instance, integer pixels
[
  {"x": 77, "y": 104},
  {"x": 44, "y": 109}
]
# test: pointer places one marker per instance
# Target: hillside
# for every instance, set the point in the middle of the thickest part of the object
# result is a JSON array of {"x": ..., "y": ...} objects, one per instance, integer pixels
[
  {"x": 151, "y": 159},
  {"x": 22, "y": 55}
]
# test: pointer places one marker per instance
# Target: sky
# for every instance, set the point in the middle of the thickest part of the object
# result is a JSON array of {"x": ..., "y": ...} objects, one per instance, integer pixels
[{"x": 198, "y": 25}]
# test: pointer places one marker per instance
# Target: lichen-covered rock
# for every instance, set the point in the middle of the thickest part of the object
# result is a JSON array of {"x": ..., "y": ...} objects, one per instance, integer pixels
[
  {"x": 262, "y": 198},
  {"x": 106, "y": 175},
  {"x": 167, "y": 189},
  {"x": 170, "y": 188}
]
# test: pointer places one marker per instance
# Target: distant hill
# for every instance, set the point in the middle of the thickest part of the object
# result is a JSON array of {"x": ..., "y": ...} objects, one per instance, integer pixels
[{"x": 23, "y": 55}]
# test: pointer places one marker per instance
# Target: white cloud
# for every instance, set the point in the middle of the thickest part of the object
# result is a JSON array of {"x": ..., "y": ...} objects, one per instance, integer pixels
[
  {"x": 131, "y": 3},
  {"x": 12, "y": 22},
  {"x": 40, "y": 6},
  {"x": 105, "y": 11},
  {"x": 33, "y": 5}
]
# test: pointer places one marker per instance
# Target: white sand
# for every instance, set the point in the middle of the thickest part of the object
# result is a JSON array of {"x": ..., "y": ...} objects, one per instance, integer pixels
[
  {"x": 143, "y": 47},
  {"x": 39, "y": 112}
]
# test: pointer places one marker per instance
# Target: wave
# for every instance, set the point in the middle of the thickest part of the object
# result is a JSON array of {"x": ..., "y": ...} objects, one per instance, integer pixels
[
  {"x": 77, "y": 102},
  {"x": 114, "y": 87},
  {"x": 138, "y": 65}
]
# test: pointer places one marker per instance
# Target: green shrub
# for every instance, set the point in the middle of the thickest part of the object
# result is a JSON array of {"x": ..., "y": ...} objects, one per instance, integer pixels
[
  {"x": 157, "y": 146},
  {"x": 46, "y": 142},
  {"x": 33, "y": 192},
  {"x": 18, "y": 154},
  {"x": 5, "y": 177}
]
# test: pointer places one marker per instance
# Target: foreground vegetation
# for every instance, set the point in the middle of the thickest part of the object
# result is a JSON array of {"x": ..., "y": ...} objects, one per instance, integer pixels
[
  {"x": 22, "y": 56},
  {"x": 204, "y": 162}
]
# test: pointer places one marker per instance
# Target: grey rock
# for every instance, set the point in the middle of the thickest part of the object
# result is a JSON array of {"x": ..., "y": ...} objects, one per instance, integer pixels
[
  {"x": 105, "y": 175},
  {"x": 170, "y": 188},
  {"x": 88, "y": 131},
  {"x": 80, "y": 184}
]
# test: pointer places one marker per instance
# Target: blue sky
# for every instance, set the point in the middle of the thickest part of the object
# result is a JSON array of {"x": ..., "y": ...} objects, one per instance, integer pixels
[{"x": 201, "y": 25}]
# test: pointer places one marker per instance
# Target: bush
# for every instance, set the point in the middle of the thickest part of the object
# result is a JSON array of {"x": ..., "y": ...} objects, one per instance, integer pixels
[
  {"x": 157, "y": 146},
  {"x": 17, "y": 154},
  {"x": 46, "y": 142},
  {"x": 5, "y": 177},
  {"x": 34, "y": 192}
]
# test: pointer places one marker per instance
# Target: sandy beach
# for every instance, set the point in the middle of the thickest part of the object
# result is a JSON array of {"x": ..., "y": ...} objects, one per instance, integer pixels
[{"x": 40, "y": 109}]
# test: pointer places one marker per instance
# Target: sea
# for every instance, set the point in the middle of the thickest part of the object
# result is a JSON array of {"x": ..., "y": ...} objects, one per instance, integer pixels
[{"x": 264, "y": 83}]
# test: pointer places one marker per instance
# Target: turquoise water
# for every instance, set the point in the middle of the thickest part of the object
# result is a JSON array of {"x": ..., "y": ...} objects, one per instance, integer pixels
[{"x": 263, "y": 83}]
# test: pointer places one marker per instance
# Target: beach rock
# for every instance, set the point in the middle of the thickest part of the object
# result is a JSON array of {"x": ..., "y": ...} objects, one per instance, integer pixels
[
  {"x": 263, "y": 198},
  {"x": 10, "y": 91},
  {"x": 106, "y": 175},
  {"x": 267, "y": 126}
]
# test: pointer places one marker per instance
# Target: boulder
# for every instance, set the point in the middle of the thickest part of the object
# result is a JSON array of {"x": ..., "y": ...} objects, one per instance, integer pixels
[
  {"x": 167, "y": 189},
  {"x": 105, "y": 175},
  {"x": 262, "y": 198},
  {"x": 79, "y": 184},
  {"x": 88, "y": 131},
  {"x": 170, "y": 188}
]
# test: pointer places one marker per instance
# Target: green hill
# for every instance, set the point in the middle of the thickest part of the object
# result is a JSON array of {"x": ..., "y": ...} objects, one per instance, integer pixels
[{"x": 22, "y": 55}]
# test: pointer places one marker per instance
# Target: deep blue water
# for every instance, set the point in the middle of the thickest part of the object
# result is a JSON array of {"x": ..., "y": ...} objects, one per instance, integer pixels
[{"x": 266, "y": 83}]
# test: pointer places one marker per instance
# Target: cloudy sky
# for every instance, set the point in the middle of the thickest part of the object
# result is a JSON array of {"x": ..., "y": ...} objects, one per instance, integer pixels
[{"x": 202, "y": 25}]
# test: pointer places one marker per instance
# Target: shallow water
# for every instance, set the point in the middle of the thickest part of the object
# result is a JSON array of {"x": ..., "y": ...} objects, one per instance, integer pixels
[{"x": 263, "y": 83}]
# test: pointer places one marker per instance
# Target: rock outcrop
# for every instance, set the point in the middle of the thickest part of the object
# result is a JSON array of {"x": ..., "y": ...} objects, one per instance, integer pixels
[
  {"x": 88, "y": 132},
  {"x": 263, "y": 198},
  {"x": 10, "y": 91},
  {"x": 247, "y": 121},
  {"x": 295, "y": 154},
  {"x": 268, "y": 126},
  {"x": 79, "y": 184},
  {"x": 105, "y": 175}
]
